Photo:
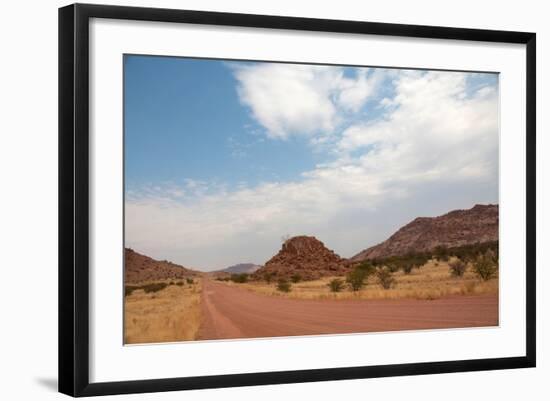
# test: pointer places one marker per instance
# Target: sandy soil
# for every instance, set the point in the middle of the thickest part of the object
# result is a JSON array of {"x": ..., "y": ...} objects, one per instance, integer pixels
[{"x": 232, "y": 312}]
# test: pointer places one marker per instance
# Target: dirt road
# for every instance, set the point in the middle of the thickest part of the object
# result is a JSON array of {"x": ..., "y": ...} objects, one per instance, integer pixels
[{"x": 230, "y": 312}]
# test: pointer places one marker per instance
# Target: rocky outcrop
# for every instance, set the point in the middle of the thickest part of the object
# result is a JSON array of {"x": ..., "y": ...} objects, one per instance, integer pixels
[
  {"x": 139, "y": 268},
  {"x": 459, "y": 227},
  {"x": 303, "y": 256}
]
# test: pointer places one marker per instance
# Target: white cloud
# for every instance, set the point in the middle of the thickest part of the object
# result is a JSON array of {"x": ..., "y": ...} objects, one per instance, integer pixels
[
  {"x": 289, "y": 99},
  {"x": 435, "y": 130},
  {"x": 355, "y": 92},
  {"x": 436, "y": 140}
]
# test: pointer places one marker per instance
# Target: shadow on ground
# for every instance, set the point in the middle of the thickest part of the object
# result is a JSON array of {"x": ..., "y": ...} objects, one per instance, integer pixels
[{"x": 48, "y": 382}]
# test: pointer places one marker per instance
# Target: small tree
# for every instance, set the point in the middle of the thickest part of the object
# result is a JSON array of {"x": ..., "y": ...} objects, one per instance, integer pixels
[
  {"x": 385, "y": 278},
  {"x": 356, "y": 279},
  {"x": 336, "y": 285},
  {"x": 283, "y": 285},
  {"x": 189, "y": 280},
  {"x": 458, "y": 267},
  {"x": 295, "y": 278},
  {"x": 486, "y": 265}
]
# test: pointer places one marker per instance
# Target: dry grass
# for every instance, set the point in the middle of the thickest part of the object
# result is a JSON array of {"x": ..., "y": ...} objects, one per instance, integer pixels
[
  {"x": 431, "y": 281},
  {"x": 170, "y": 314}
]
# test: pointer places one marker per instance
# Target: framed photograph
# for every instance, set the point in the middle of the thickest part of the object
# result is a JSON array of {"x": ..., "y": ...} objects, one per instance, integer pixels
[{"x": 251, "y": 199}]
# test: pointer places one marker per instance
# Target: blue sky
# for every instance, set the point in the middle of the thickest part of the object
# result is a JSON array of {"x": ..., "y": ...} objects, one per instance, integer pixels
[
  {"x": 184, "y": 120},
  {"x": 234, "y": 155}
]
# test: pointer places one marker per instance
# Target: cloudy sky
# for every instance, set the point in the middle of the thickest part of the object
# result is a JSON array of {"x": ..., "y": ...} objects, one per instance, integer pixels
[{"x": 223, "y": 159}]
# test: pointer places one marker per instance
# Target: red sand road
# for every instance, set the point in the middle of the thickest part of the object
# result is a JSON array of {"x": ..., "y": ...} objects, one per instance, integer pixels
[{"x": 230, "y": 312}]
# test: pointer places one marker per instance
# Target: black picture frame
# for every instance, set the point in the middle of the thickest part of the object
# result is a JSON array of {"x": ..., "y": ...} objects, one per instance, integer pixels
[{"x": 74, "y": 203}]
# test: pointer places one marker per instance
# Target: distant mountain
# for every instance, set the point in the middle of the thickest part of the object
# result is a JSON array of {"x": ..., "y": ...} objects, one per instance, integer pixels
[
  {"x": 459, "y": 227},
  {"x": 139, "y": 268},
  {"x": 304, "y": 256},
  {"x": 241, "y": 268}
]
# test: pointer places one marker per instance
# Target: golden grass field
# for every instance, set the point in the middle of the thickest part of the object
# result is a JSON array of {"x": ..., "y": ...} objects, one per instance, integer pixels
[
  {"x": 171, "y": 314},
  {"x": 431, "y": 281}
]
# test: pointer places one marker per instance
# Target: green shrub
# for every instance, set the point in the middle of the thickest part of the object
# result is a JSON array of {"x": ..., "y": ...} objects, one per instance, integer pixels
[
  {"x": 466, "y": 253},
  {"x": 458, "y": 267},
  {"x": 486, "y": 265},
  {"x": 239, "y": 278},
  {"x": 189, "y": 280},
  {"x": 283, "y": 285},
  {"x": 422, "y": 259},
  {"x": 385, "y": 278},
  {"x": 295, "y": 278},
  {"x": 407, "y": 268},
  {"x": 404, "y": 262},
  {"x": 469, "y": 253},
  {"x": 441, "y": 254},
  {"x": 153, "y": 287},
  {"x": 368, "y": 267},
  {"x": 356, "y": 279},
  {"x": 413, "y": 260},
  {"x": 129, "y": 289},
  {"x": 393, "y": 267},
  {"x": 336, "y": 285},
  {"x": 179, "y": 283},
  {"x": 374, "y": 262}
]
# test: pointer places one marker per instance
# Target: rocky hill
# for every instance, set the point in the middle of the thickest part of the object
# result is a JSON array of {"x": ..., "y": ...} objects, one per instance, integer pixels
[
  {"x": 304, "y": 256},
  {"x": 140, "y": 268},
  {"x": 241, "y": 268},
  {"x": 459, "y": 227}
]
